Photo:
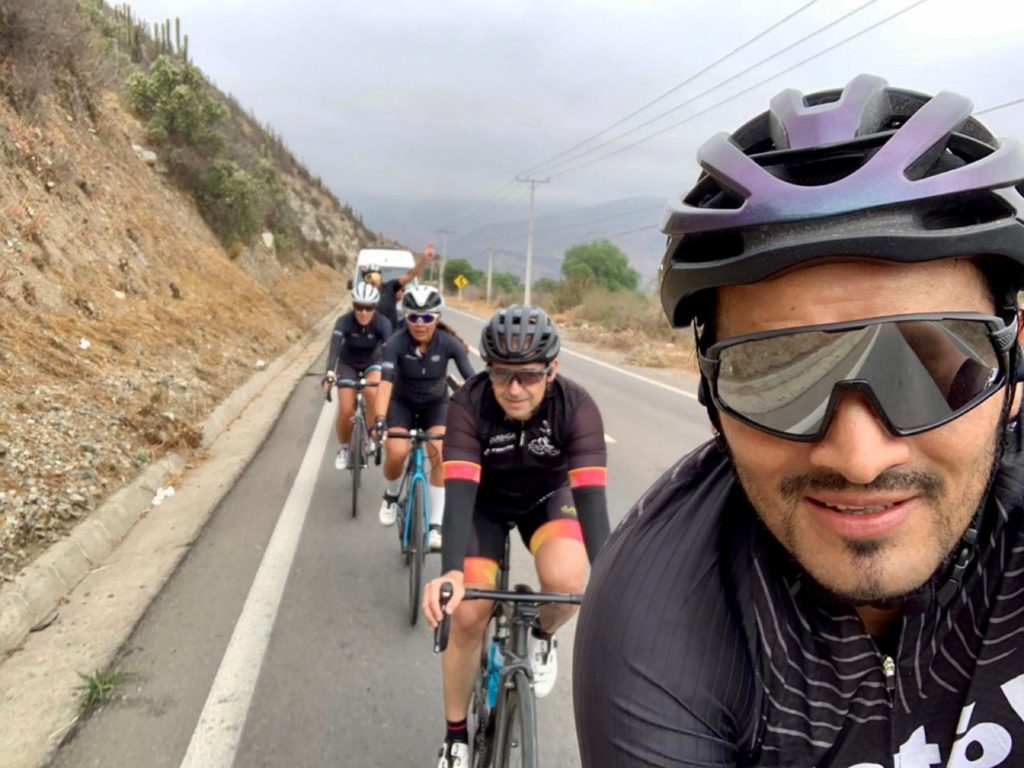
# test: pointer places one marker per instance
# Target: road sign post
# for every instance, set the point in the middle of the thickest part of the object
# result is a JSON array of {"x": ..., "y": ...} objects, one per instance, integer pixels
[{"x": 461, "y": 281}]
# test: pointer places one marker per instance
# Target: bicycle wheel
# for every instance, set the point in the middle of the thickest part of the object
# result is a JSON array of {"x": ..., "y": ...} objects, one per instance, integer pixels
[
  {"x": 518, "y": 732},
  {"x": 355, "y": 458},
  {"x": 416, "y": 546},
  {"x": 480, "y": 716}
]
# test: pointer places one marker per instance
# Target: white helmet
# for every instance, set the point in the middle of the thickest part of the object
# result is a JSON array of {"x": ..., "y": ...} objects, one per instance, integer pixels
[
  {"x": 422, "y": 298},
  {"x": 366, "y": 294}
]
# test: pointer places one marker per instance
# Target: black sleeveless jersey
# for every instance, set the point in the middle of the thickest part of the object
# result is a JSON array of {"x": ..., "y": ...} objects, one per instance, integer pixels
[{"x": 700, "y": 643}]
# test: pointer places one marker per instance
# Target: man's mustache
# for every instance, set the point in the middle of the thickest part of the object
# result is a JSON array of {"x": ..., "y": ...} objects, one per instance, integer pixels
[{"x": 927, "y": 484}]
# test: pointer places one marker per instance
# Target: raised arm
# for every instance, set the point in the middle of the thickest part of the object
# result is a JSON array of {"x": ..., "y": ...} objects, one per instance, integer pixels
[{"x": 418, "y": 267}]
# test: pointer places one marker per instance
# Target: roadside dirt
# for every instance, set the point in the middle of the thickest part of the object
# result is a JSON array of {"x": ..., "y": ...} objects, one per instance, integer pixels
[{"x": 123, "y": 322}]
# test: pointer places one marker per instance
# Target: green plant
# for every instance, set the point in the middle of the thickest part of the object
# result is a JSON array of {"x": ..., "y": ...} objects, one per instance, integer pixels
[
  {"x": 175, "y": 97},
  {"x": 99, "y": 687},
  {"x": 142, "y": 458},
  {"x": 455, "y": 267},
  {"x": 600, "y": 264},
  {"x": 230, "y": 199}
]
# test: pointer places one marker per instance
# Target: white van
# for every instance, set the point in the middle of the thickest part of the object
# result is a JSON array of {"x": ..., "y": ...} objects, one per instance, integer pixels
[{"x": 393, "y": 263}]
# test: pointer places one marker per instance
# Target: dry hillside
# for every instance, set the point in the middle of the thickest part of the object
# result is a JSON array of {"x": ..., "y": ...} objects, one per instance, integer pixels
[{"x": 123, "y": 320}]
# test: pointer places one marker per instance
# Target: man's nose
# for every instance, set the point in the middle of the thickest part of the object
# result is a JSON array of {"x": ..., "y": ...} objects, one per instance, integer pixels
[{"x": 857, "y": 444}]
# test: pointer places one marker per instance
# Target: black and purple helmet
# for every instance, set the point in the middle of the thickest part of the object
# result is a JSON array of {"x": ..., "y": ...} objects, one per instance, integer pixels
[{"x": 867, "y": 171}]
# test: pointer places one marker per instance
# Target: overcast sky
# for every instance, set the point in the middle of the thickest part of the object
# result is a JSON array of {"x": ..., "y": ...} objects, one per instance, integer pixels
[{"x": 421, "y": 114}]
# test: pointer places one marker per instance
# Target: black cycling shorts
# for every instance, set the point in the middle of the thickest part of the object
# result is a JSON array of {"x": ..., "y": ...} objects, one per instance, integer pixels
[
  {"x": 553, "y": 517},
  {"x": 348, "y": 372},
  {"x": 406, "y": 416}
]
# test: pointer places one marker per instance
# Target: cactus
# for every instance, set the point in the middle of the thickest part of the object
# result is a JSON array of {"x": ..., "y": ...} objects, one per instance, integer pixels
[
  {"x": 184, "y": 51},
  {"x": 177, "y": 34}
]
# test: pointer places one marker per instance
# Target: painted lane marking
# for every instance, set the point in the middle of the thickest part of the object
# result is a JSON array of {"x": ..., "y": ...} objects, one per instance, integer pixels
[
  {"x": 215, "y": 739},
  {"x": 595, "y": 361}
]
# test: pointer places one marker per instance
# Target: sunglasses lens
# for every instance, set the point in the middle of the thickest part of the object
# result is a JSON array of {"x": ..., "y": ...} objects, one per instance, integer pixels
[
  {"x": 504, "y": 378},
  {"x": 919, "y": 372},
  {"x": 363, "y": 307},
  {"x": 420, "y": 318}
]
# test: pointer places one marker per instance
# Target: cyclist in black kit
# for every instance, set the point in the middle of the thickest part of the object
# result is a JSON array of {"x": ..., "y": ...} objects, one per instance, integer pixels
[
  {"x": 836, "y": 579},
  {"x": 414, "y": 393},
  {"x": 392, "y": 291},
  {"x": 523, "y": 446},
  {"x": 357, "y": 349}
]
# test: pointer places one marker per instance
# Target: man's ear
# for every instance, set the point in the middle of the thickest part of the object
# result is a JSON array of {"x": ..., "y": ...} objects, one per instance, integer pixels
[{"x": 554, "y": 370}]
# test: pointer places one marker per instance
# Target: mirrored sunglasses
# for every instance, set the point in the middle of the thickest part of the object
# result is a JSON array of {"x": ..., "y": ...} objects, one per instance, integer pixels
[
  {"x": 917, "y": 371},
  {"x": 364, "y": 307},
  {"x": 503, "y": 377},
  {"x": 421, "y": 318}
]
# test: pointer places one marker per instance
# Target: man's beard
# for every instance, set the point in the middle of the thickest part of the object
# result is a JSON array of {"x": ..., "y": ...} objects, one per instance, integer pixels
[{"x": 868, "y": 556}]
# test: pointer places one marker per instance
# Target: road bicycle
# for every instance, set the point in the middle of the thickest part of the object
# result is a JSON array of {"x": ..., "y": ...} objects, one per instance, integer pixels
[
  {"x": 414, "y": 514},
  {"x": 502, "y": 714},
  {"x": 359, "y": 442}
]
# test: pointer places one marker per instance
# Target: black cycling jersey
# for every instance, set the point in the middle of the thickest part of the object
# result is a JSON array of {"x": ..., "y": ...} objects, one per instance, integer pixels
[
  {"x": 421, "y": 379},
  {"x": 388, "y": 304},
  {"x": 701, "y": 643},
  {"x": 355, "y": 344},
  {"x": 510, "y": 466}
]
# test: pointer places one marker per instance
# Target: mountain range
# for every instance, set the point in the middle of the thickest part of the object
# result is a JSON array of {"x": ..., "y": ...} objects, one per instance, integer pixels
[{"x": 632, "y": 223}]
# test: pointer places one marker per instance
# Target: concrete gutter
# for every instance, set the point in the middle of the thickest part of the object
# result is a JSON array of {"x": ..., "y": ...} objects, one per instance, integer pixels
[{"x": 86, "y": 593}]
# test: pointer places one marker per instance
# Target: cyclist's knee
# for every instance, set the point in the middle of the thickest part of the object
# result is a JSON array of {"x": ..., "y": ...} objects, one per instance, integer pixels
[
  {"x": 471, "y": 617},
  {"x": 562, "y": 566}
]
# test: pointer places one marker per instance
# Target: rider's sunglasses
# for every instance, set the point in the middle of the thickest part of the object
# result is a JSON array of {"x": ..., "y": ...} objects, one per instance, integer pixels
[
  {"x": 917, "y": 371},
  {"x": 421, "y": 318},
  {"x": 503, "y": 377},
  {"x": 363, "y": 307}
]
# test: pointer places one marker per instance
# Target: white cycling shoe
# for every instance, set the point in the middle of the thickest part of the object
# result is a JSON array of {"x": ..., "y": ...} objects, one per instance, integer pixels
[
  {"x": 544, "y": 663},
  {"x": 453, "y": 754},
  {"x": 388, "y": 510},
  {"x": 434, "y": 539},
  {"x": 341, "y": 460}
]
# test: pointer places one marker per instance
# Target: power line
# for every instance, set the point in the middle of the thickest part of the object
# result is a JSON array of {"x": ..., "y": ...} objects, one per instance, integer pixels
[
  {"x": 726, "y": 100},
  {"x": 1000, "y": 106},
  {"x": 674, "y": 88},
  {"x": 716, "y": 86}
]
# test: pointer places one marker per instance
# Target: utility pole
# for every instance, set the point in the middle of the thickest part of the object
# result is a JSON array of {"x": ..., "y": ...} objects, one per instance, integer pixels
[
  {"x": 490, "y": 269},
  {"x": 444, "y": 254},
  {"x": 529, "y": 236}
]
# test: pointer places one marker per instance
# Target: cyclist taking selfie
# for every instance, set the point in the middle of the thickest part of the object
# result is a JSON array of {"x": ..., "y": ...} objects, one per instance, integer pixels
[{"x": 835, "y": 580}]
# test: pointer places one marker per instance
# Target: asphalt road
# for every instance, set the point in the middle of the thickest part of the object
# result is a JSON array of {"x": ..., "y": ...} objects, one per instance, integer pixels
[{"x": 282, "y": 639}]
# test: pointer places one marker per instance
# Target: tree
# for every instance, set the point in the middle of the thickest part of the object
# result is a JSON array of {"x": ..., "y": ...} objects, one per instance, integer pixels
[
  {"x": 599, "y": 264},
  {"x": 455, "y": 267},
  {"x": 506, "y": 282}
]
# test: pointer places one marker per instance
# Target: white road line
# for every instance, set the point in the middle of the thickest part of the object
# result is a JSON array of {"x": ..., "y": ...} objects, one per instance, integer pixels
[
  {"x": 215, "y": 739},
  {"x": 608, "y": 438},
  {"x": 595, "y": 361}
]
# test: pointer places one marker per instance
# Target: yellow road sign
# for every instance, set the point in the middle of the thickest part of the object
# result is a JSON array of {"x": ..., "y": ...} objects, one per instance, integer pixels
[{"x": 461, "y": 281}]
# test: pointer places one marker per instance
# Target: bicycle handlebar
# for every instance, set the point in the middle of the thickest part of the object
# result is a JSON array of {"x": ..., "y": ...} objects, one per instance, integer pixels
[
  {"x": 345, "y": 384},
  {"x": 502, "y": 596},
  {"x": 416, "y": 434}
]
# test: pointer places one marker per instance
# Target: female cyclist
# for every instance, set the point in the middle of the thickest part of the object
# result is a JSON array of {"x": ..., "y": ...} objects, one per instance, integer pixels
[
  {"x": 414, "y": 393},
  {"x": 357, "y": 349}
]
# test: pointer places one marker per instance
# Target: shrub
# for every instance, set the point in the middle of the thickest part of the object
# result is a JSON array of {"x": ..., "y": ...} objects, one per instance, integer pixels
[
  {"x": 624, "y": 311},
  {"x": 48, "y": 48},
  {"x": 229, "y": 198},
  {"x": 175, "y": 98}
]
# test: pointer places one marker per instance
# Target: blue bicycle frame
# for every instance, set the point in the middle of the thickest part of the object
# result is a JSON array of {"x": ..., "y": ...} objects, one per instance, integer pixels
[{"x": 416, "y": 478}]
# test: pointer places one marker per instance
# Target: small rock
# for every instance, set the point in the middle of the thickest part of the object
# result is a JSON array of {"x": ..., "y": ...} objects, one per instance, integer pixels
[{"x": 49, "y": 186}]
